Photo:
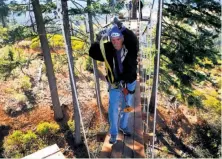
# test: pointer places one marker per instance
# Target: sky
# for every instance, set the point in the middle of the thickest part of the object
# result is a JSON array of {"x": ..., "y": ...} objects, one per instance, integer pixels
[{"x": 24, "y": 18}]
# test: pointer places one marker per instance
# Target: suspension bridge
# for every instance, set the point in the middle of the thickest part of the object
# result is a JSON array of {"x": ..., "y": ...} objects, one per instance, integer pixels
[{"x": 142, "y": 124}]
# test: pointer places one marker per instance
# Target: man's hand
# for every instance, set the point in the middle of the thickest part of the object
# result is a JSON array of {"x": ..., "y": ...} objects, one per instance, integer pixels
[
  {"x": 102, "y": 33},
  {"x": 119, "y": 24}
]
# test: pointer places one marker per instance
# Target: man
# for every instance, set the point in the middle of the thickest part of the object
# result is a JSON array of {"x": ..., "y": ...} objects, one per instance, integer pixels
[
  {"x": 140, "y": 5},
  {"x": 120, "y": 57}
]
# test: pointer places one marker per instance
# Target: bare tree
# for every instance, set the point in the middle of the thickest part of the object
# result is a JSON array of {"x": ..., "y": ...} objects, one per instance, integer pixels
[
  {"x": 47, "y": 59},
  {"x": 66, "y": 33}
]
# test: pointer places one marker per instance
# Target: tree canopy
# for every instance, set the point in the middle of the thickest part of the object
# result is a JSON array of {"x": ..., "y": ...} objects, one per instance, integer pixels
[{"x": 189, "y": 31}]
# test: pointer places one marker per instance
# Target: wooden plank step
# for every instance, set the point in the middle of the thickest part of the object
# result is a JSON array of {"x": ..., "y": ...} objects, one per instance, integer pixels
[
  {"x": 127, "y": 151},
  {"x": 117, "y": 149},
  {"x": 126, "y": 147},
  {"x": 49, "y": 152},
  {"x": 148, "y": 138},
  {"x": 109, "y": 150},
  {"x": 138, "y": 144},
  {"x": 106, "y": 149},
  {"x": 101, "y": 136}
]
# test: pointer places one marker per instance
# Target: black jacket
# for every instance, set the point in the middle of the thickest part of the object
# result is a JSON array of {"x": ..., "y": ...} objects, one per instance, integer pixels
[{"x": 131, "y": 43}]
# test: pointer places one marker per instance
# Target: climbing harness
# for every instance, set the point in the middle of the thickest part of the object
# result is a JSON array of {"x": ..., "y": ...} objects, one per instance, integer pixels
[{"x": 111, "y": 80}]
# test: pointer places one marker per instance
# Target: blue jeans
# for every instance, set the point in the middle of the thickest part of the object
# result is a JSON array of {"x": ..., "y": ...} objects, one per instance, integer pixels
[{"x": 116, "y": 99}]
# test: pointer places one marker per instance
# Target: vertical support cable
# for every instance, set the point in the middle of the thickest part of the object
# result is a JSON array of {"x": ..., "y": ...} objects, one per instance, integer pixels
[
  {"x": 149, "y": 32},
  {"x": 95, "y": 70},
  {"x": 72, "y": 75},
  {"x": 157, "y": 73},
  {"x": 149, "y": 66}
]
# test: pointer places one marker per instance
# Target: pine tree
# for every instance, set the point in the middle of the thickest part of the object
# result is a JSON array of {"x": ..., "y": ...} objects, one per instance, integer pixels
[
  {"x": 47, "y": 59},
  {"x": 189, "y": 29},
  {"x": 4, "y": 11}
]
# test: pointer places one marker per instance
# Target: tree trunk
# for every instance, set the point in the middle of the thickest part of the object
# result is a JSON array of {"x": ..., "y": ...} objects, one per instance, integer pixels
[
  {"x": 134, "y": 14},
  {"x": 71, "y": 27},
  {"x": 66, "y": 33},
  {"x": 32, "y": 23},
  {"x": 153, "y": 94},
  {"x": 3, "y": 21},
  {"x": 98, "y": 97},
  {"x": 30, "y": 16},
  {"x": 47, "y": 59}
]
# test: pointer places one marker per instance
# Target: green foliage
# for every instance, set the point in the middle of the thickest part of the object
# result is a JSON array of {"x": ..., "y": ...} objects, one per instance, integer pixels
[
  {"x": 47, "y": 128},
  {"x": 188, "y": 50},
  {"x": 9, "y": 90},
  {"x": 3, "y": 35},
  {"x": 10, "y": 59},
  {"x": 183, "y": 52},
  {"x": 20, "y": 144},
  {"x": 212, "y": 103},
  {"x": 15, "y": 138},
  {"x": 71, "y": 125},
  {"x": 6, "y": 68},
  {"x": 15, "y": 34},
  {"x": 194, "y": 101},
  {"x": 48, "y": 7},
  {"x": 20, "y": 98},
  {"x": 11, "y": 55},
  {"x": 60, "y": 63},
  {"x": 87, "y": 64},
  {"x": 17, "y": 8},
  {"x": 57, "y": 41},
  {"x": 206, "y": 98},
  {"x": 98, "y": 8},
  {"x": 25, "y": 83},
  {"x": 207, "y": 140},
  {"x": 29, "y": 137}
]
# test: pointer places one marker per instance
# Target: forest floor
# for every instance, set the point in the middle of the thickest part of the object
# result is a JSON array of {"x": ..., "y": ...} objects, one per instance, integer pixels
[
  {"x": 17, "y": 116},
  {"x": 174, "y": 124}
]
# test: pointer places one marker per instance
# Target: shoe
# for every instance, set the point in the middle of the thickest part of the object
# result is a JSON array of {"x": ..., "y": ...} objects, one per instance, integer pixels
[
  {"x": 112, "y": 139},
  {"x": 125, "y": 131}
]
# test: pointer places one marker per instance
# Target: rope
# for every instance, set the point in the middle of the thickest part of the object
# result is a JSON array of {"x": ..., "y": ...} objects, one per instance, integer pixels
[
  {"x": 149, "y": 32},
  {"x": 73, "y": 81},
  {"x": 108, "y": 68},
  {"x": 134, "y": 113},
  {"x": 157, "y": 73}
]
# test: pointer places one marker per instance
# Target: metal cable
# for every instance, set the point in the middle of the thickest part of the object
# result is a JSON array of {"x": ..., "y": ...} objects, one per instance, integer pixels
[
  {"x": 157, "y": 73},
  {"x": 73, "y": 80},
  {"x": 149, "y": 32}
]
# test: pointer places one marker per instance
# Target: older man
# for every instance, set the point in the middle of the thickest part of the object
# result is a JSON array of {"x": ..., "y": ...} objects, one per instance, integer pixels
[{"x": 120, "y": 57}]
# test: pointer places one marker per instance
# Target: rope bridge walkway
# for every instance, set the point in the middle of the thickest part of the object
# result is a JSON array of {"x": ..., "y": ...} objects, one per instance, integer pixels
[
  {"x": 130, "y": 147},
  {"x": 140, "y": 121},
  {"x": 133, "y": 146}
]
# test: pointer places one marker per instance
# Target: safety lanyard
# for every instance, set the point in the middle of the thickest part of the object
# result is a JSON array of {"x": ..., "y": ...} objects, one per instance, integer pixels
[{"x": 108, "y": 68}]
